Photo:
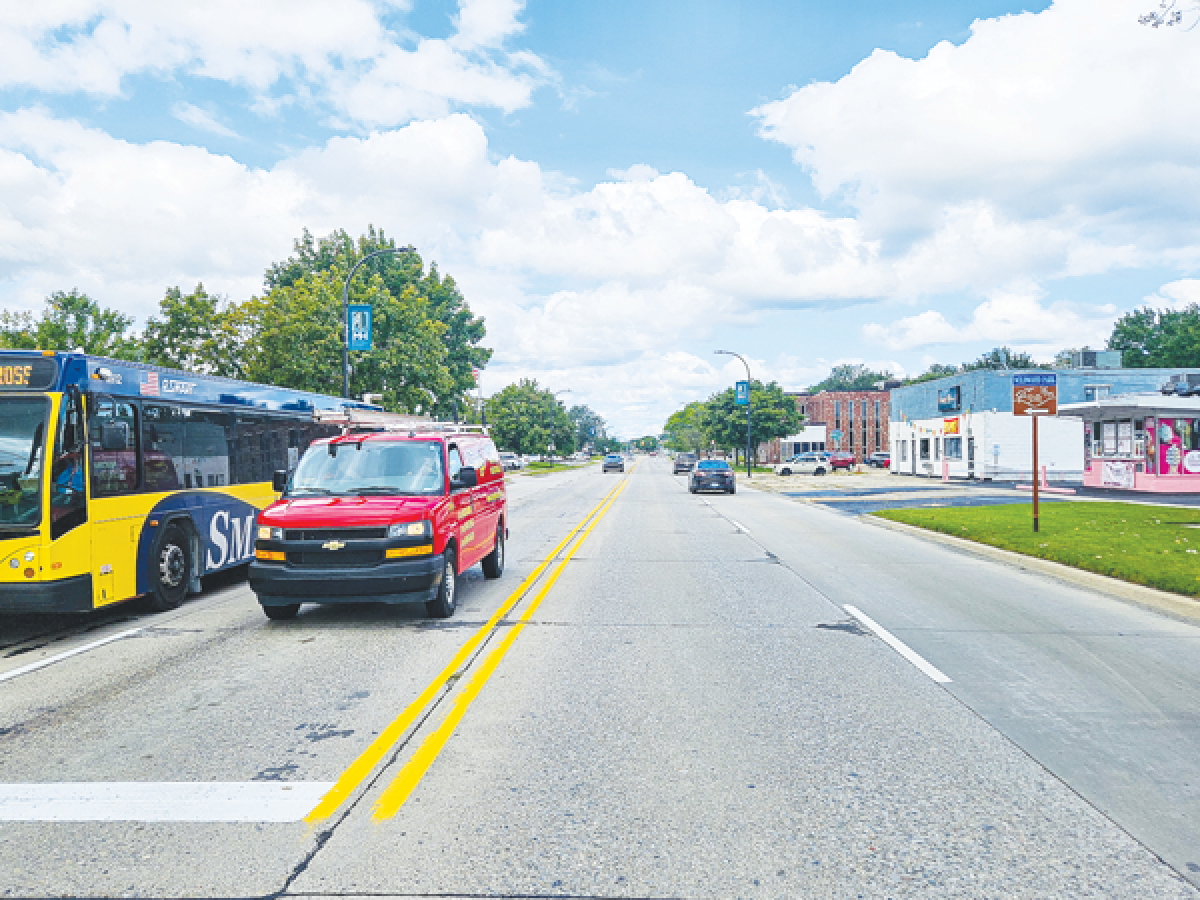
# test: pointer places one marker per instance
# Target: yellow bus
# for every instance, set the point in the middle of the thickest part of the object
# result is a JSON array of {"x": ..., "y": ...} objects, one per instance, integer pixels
[{"x": 121, "y": 480}]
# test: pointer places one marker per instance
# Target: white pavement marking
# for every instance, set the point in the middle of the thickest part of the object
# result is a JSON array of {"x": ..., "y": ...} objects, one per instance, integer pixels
[
  {"x": 172, "y": 801},
  {"x": 739, "y": 526},
  {"x": 898, "y": 645},
  {"x": 51, "y": 660}
]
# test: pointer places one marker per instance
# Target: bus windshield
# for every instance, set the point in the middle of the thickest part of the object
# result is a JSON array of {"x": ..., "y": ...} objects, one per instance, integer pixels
[
  {"x": 22, "y": 452},
  {"x": 370, "y": 467}
]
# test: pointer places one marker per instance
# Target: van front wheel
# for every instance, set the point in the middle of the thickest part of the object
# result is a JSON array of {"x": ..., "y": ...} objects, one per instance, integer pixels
[{"x": 442, "y": 605}]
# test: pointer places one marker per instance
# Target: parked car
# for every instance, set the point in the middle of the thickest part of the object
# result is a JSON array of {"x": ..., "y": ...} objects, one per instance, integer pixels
[
  {"x": 684, "y": 462},
  {"x": 510, "y": 461},
  {"x": 803, "y": 464},
  {"x": 880, "y": 460},
  {"x": 614, "y": 462},
  {"x": 712, "y": 475},
  {"x": 840, "y": 459},
  {"x": 385, "y": 517}
]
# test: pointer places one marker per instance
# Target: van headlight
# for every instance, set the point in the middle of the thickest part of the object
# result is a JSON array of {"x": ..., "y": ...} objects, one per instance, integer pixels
[
  {"x": 424, "y": 529},
  {"x": 267, "y": 533}
]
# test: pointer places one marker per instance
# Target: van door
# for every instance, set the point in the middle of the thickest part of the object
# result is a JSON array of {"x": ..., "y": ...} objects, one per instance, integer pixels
[{"x": 463, "y": 509}]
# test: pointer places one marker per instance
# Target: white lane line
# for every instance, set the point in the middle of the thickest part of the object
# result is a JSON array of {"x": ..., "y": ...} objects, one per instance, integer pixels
[
  {"x": 172, "y": 801},
  {"x": 898, "y": 645},
  {"x": 51, "y": 660},
  {"x": 739, "y": 526}
]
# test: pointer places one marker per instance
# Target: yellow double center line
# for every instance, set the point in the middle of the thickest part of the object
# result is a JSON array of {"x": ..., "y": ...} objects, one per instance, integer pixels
[{"x": 398, "y": 791}]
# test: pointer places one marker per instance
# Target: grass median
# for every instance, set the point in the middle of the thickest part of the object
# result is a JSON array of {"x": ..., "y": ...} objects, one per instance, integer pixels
[
  {"x": 545, "y": 468},
  {"x": 1150, "y": 545}
]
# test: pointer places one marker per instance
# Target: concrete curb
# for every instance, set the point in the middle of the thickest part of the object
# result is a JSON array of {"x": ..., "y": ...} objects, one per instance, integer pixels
[{"x": 1177, "y": 606}]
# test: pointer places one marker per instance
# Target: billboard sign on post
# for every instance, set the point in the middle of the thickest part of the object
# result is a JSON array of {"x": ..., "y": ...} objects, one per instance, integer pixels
[
  {"x": 742, "y": 393},
  {"x": 1035, "y": 395},
  {"x": 360, "y": 327}
]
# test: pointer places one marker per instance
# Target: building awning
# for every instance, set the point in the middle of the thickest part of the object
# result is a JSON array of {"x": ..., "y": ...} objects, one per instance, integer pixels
[{"x": 1134, "y": 406}]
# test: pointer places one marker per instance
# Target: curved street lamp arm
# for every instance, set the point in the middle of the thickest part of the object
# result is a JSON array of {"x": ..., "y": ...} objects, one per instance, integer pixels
[{"x": 346, "y": 312}]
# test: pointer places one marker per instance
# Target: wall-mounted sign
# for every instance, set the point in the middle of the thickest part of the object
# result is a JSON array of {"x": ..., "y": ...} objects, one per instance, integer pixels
[
  {"x": 1034, "y": 394},
  {"x": 950, "y": 399},
  {"x": 360, "y": 327},
  {"x": 950, "y": 426}
]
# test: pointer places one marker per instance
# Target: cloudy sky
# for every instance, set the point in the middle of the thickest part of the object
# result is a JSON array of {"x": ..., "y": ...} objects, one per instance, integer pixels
[{"x": 623, "y": 187}]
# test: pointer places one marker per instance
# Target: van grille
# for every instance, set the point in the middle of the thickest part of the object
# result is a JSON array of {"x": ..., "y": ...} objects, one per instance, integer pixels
[
  {"x": 336, "y": 558},
  {"x": 334, "y": 534}
]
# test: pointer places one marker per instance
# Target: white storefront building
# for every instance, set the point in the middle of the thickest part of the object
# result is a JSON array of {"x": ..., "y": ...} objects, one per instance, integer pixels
[{"x": 990, "y": 446}]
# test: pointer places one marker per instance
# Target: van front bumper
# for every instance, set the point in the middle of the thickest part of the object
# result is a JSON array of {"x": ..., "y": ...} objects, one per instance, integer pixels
[
  {"x": 64, "y": 595},
  {"x": 403, "y": 581}
]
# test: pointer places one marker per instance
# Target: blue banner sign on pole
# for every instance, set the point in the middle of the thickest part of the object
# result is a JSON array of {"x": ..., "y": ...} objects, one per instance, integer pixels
[
  {"x": 742, "y": 393},
  {"x": 360, "y": 327}
]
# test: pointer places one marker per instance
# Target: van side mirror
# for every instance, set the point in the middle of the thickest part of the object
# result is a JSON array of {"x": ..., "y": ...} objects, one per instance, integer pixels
[
  {"x": 114, "y": 436},
  {"x": 467, "y": 477},
  {"x": 279, "y": 481}
]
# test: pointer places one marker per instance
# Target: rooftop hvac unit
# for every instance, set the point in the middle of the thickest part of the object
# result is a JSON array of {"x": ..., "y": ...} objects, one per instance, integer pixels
[{"x": 1096, "y": 359}]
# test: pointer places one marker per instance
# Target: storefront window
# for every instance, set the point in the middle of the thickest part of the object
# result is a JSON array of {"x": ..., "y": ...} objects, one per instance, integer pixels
[
  {"x": 924, "y": 448},
  {"x": 953, "y": 448}
]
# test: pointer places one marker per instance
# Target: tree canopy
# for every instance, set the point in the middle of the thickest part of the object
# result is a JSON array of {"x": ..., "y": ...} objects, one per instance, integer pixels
[
  {"x": 720, "y": 421},
  {"x": 528, "y": 419},
  {"x": 426, "y": 341},
  {"x": 851, "y": 377},
  {"x": 1149, "y": 338}
]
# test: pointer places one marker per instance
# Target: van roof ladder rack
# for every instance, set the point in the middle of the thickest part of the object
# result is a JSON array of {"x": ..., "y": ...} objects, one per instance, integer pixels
[{"x": 363, "y": 420}]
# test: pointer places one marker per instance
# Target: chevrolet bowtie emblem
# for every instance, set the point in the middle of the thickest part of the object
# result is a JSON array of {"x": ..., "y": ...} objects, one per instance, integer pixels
[{"x": 333, "y": 545}]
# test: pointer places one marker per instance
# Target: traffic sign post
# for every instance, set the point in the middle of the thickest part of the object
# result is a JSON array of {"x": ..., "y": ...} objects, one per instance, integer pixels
[{"x": 1035, "y": 395}]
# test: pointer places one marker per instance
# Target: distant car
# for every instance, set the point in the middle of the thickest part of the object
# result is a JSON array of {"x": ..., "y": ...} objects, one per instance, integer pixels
[
  {"x": 614, "y": 462},
  {"x": 510, "y": 461},
  {"x": 840, "y": 459},
  {"x": 880, "y": 460},
  {"x": 684, "y": 462},
  {"x": 712, "y": 475},
  {"x": 803, "y": 464}
]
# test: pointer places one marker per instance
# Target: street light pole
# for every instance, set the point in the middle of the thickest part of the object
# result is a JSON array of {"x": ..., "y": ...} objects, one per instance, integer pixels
[
  {"x": 749, "y": 403},
  {"x": 346, "y": 313}
]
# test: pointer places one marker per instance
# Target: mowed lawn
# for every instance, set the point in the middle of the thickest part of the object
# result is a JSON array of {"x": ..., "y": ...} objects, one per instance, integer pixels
[{"x": 1150, "y": 545}]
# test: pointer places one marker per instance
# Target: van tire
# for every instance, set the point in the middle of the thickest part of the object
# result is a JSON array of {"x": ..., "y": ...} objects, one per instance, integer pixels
[
  {"x": 442, "y": 605},
  {"x": 493, "y": 563},
  {"x": 172, "y": 565}
]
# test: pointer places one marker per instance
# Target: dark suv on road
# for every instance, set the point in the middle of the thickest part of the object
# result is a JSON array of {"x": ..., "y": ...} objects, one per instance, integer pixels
[
  {"x": 684, "y": 462},
  {"x": 712, "y": 475}
]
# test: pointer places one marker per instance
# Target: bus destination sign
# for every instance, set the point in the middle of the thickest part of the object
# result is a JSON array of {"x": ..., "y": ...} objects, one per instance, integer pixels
[
  {"x": 1035, "y": 395},
  {"x": 27, "y": 373}
]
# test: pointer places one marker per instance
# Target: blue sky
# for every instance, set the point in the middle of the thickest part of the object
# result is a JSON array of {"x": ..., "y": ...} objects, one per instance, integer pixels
[{"x": 622, "y": 188}]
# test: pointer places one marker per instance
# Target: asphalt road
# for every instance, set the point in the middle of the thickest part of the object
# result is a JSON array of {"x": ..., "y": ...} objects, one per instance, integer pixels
[{"x": 681, "y": 708}]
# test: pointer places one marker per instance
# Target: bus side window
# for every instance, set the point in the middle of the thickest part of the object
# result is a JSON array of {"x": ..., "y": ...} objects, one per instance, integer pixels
[
  {"x": 162, "y": 448},
  {"x": 113, "y": 433}
]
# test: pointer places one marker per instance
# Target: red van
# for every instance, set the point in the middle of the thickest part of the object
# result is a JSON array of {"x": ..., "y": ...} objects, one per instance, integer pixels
[{"x": 382, "y": 516}]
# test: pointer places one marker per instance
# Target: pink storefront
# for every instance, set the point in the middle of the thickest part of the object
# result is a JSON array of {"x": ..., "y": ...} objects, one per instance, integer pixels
[{"x": 1141, "y": 442}]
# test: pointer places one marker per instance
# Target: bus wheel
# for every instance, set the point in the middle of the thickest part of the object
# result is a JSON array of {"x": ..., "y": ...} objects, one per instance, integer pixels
[
  {"x": 442, "y": 606},
  {"x": 172, "y": 570}
]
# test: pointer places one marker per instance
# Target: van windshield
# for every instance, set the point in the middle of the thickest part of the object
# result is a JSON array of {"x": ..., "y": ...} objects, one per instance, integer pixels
[
  {"x": 370, "y": 467},
  {"x": 22, "y": 451}
]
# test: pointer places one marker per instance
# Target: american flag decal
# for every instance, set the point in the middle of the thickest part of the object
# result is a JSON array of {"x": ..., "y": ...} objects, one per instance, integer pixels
[{"x": 150, "y": 385}]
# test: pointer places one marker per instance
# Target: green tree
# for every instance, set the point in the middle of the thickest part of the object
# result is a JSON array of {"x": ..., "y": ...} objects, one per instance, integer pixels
[
  {"x": 295, "y": 340},
  {"x": 527, "y": 419},
  {"x": 1158, "y": 339},
  {"x": 1003, "y": 358},
  {"x": 589, "y": 426},
  {"x": 463, "y": 331},
  {"x": 935, "y": 371},
  {"x": 685, "y": 430},
  {"x": 851, "y": 377},
  {"x": 73, "y": 321},
  {"x": 196, "y": 332},
  {"x": 772, "y": 414},
  {"x": 18, "y": 331}
]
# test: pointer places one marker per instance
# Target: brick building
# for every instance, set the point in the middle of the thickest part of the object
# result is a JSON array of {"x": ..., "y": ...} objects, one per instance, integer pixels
[{"x": 861, "y": 417}]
